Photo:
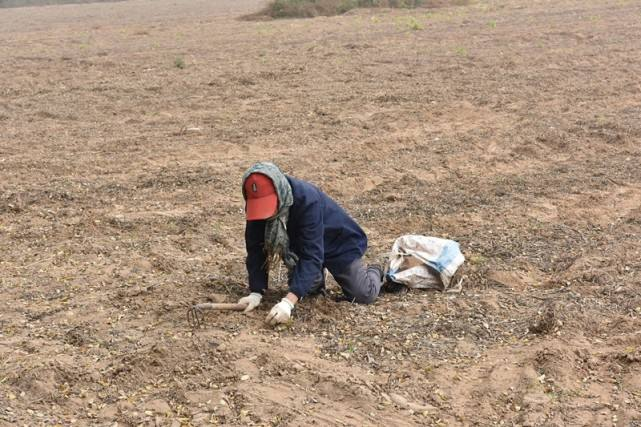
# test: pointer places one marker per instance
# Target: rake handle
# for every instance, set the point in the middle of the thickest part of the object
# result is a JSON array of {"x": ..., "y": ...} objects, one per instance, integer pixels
[{"x": 220, "y": 306}]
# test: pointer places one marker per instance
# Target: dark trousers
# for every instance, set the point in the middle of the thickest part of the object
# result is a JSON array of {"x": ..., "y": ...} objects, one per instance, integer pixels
[{"x": 360, "y": 283}]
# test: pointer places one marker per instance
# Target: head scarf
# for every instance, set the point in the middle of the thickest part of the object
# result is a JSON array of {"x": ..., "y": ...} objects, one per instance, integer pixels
[{"x": 276, "y": 238}]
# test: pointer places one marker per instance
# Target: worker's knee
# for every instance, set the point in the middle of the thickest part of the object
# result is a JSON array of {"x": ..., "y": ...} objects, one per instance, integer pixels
[
  {"x": 360, "y": 284},
  {"x": 364, "y": 297}
]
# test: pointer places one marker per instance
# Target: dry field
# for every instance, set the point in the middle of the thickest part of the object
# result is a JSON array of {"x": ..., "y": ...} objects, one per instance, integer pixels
[{"x": 513, "y": 127}]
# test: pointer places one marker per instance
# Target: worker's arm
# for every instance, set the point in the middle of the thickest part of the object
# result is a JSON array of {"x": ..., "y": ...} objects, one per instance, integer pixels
[
  {"x": 309, "y": 236},
  {"x": 255, "y": 262},
  {"x": 310, "y": 251}
]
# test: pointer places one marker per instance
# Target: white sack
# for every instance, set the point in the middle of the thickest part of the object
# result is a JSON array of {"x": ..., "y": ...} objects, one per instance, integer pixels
[{"x": 425, "y": 262}]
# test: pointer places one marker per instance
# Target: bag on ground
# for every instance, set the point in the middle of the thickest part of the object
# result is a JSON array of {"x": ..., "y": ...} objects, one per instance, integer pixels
[{"x": 425, "y": 262}]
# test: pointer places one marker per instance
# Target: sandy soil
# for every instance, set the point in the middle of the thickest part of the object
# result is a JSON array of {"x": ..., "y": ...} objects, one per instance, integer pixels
[{"x": 513, "y": 127}]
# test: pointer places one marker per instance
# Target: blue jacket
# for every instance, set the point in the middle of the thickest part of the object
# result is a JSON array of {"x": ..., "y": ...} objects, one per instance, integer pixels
[{"x": 320, "y": 232}]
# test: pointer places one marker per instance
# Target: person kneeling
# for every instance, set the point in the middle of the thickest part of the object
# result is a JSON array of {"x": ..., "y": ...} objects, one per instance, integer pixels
[{"x": 294, "y": 221}]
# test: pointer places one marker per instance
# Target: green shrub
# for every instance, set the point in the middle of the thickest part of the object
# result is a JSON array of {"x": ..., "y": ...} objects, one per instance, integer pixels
[{"x": 311, "y": 8}]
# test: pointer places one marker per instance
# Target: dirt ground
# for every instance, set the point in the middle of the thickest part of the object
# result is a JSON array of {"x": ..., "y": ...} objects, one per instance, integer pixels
[{"x": 513, "y": 127}]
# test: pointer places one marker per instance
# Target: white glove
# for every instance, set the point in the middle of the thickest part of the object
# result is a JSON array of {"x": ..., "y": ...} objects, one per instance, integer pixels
[
  {"x": 280, "y": 313},
  {"x": 252, "y": 300}
]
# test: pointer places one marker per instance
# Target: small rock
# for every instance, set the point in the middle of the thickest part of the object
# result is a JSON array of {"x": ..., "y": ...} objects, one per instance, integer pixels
[
  {"x": 124, "y": 406},
  {"x": 535, "y": 399},
  {"x": 158, "y": 406},
  {"x": 108, "y": 412},
  {"x": 199, "y": 419},
  {"x": 412, "y": 406}
]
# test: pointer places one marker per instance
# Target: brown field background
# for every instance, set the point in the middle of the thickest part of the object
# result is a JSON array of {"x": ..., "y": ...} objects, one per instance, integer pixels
[{"x": 513, "y": 127}]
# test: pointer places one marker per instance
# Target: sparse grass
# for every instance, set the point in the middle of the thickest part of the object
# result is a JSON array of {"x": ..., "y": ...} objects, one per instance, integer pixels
[
  {"x": 477, "y": 259},
  {"x": 409, "y": 22},
  {"x": 492, "y": 24},
  {"x": 461, "y": 51},
  {"x": 179, "y": 62},
  {"x": 413, "y": 24}
]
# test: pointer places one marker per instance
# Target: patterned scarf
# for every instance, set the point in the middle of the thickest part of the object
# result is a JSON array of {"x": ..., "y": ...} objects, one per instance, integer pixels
[{"x": 276, "y": 238}]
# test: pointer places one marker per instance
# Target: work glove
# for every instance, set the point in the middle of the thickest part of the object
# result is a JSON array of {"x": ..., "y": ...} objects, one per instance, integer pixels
[
  {"x": 252, "y": 300},
  {"x": 281, "y": 313}
]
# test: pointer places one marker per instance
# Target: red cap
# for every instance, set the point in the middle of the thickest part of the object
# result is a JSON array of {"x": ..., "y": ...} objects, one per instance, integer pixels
[{"x": 261, "y": 197}]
